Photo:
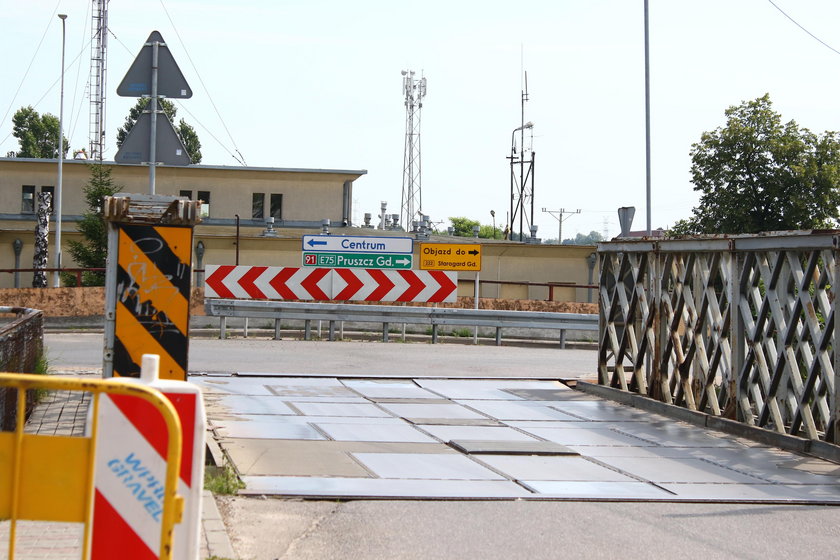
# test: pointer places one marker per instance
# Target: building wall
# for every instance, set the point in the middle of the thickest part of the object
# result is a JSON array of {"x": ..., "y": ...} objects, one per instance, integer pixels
[
  {"x": 501, "y": 260},
  {"x": 308, "y": 195}
]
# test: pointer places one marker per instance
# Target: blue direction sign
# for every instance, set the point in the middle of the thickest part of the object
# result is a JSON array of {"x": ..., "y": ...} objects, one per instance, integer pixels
[{"x": 358, "y": 244}]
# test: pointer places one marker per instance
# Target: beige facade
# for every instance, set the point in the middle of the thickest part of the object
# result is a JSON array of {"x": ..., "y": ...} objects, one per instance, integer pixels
[
  {"x": 507, "y": 266},
  {"x": 308, "y": 197}
]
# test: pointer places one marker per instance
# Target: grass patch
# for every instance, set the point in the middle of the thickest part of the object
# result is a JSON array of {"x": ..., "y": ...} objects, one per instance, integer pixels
[
  {"x": 42, "y": 367},
  {"x": 222, "y": 480},
  {"x": 465, "y": 332}
]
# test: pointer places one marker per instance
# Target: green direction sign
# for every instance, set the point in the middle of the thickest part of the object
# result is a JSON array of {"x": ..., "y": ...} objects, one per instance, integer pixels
[{"x": 357, "y": 260}]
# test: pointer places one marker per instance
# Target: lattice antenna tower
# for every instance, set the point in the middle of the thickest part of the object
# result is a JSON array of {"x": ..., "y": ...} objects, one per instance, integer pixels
[
  {"x": 412, "y": 198},
  {"x": 522, "y": 172},
  {"x": 98, "y": 74}
]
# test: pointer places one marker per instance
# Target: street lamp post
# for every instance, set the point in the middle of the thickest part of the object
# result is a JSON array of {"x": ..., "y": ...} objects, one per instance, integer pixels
[
  {"x": 493, "y": 214},
  {"x": 59, "y": 183}
]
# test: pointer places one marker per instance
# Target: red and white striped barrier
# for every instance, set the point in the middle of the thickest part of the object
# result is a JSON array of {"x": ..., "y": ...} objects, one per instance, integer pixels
[
  {"x": 131, "y": 467},
  {"x": 329, "y": 284}
]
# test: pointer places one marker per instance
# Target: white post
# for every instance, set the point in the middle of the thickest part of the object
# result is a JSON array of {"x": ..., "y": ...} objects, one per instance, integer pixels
[
  {"x": 475, "y": 332},
  {"x": 59, "y": 183},
  {"x": 153, "y": 106}
]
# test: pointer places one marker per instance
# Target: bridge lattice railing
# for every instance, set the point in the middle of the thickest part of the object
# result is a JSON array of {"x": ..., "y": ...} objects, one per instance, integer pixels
[{"x": 741, "y": 327}]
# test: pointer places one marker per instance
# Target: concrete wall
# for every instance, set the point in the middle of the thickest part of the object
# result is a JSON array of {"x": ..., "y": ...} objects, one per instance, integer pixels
[
  {"x": 90, "y": 302},
  {"x": 501, "y": 260},
  {"x": 308, "y": 195}
]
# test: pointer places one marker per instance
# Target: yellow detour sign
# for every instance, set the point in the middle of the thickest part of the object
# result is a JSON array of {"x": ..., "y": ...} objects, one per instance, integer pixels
[
  {"x": 450, "y": 256},
  {"x": 153, "y": 299}
]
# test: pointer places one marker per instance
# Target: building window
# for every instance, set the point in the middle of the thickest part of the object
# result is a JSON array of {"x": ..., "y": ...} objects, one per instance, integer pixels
[
  {"x": 27, "y": 203},
  {"x": 204, "y": 197},
  {"x": 276, "y": 206},
  {"x": 185, "y": 194},
  {"x": 50, "y": 190},
  {"x": 258, "y": 206}
]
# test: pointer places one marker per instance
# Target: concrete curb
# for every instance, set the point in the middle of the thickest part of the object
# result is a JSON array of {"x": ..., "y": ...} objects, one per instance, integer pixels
[{"x": 213, "y": 527}]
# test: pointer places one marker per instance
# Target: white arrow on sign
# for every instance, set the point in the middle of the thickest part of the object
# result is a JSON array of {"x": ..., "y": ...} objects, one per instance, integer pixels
[{"x": 357, "y": 244}]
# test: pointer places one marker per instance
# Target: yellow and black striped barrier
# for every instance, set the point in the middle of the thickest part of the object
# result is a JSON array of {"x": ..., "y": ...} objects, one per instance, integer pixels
[{"x": 152, "y": 298}]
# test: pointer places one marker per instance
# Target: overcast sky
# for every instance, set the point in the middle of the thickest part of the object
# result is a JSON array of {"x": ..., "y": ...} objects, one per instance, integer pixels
[{"x": 317, "y": 84}]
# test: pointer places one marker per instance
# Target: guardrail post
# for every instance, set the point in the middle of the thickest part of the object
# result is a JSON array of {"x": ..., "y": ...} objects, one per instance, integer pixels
[
  {"x": 222, "y": 327},
  {"x": 499, "y": 336},
  {"x": 277, "y": 329},
  {"x": 332, "y": 331},
  {"x": 245, "y": 328},
  {"x": 307, "y": 329},
  {"x": 562, "y": 339},
  {"x": 434, "y": 334},
  {"x": 385, "y": 332}
]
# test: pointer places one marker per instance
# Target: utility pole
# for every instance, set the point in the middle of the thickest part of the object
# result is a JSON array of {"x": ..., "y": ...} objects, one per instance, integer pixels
[{"x": 560, "y": 215}]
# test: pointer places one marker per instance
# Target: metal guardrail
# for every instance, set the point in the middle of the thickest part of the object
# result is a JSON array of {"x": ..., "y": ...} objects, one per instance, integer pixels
[
  {"x": 740, "y": 327},
  {"x": 21, "y": 346},
  {"x": 386, "y": 315}
]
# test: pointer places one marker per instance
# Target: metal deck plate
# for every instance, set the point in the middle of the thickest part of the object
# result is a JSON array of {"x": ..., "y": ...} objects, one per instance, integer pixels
[
  {"x": 368, "y": 449},
  {"x": 425, "y": 466},
  {"x": 485, "y": 433},
  {"x": 374, "y": 432},
  {"x": 495, "y": 447}
]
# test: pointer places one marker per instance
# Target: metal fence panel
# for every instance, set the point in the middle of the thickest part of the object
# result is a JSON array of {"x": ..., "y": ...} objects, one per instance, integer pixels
[
  {"x": 21, "y": 346},
  {"x": 741, "y": 327}
]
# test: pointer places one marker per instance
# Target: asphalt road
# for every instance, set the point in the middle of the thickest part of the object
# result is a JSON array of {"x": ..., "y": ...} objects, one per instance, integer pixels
[
  {"x": 68, "y": 351},
  {"x": 300, "y": 530},
  {"x": 425, "y": 530}
]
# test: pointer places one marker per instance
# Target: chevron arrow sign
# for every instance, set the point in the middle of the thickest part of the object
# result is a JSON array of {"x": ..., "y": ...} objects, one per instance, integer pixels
[{"x": 329, "y": 284}]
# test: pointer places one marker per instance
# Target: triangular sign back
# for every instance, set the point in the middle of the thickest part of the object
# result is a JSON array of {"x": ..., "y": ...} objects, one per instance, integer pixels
[
  {"x": 138, "y": 79},
  {"x": 135, "y": 148}
]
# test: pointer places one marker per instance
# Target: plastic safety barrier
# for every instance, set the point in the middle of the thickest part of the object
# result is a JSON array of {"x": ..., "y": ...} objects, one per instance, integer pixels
[{"x": 35, "y": 486}]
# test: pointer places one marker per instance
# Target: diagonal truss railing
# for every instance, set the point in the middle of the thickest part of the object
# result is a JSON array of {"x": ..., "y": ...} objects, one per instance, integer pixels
[{"x": 741, "y": 327}]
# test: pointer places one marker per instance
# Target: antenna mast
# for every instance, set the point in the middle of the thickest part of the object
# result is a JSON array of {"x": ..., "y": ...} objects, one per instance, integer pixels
[
  {"x": 98, "y": 63},
  {"x": 412, "y": 199},
  {"x": 522, "y": 173}
]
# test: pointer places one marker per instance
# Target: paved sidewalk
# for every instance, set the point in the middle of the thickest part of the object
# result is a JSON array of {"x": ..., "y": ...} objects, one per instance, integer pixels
[{"x": 63, "y": 413}]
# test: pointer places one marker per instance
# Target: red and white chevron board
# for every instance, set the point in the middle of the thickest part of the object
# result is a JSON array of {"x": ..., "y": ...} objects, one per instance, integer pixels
[
  {"x": 329, "y": 284},
  {"x": 131, "y": 470}
]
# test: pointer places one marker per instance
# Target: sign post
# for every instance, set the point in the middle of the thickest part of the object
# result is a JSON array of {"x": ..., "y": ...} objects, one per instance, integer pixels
[
  {"x": 147, "y": 283},
  {"x": 454, "y": 256},
  {"x": 154, "y": 73}
]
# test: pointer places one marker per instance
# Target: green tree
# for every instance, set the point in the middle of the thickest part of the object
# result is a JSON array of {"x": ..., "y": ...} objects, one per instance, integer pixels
[
  {"x": 36, "y": 134},
  {"x": 463, "y": 227},
  {"x": 590, "y": 238},
  {"x": 92, "y": 251},
  {"x": 758, "y": 174},
  {"x": 185, "y": 132}
]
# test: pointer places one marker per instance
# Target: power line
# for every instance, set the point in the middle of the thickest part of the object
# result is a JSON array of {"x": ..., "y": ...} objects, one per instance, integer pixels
[
  {"x": 47, "y": 92},
  {"x": 210, "y": 97},
  {"x": 31, "y": 62},
  {"x": 823, "y": 43}
]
